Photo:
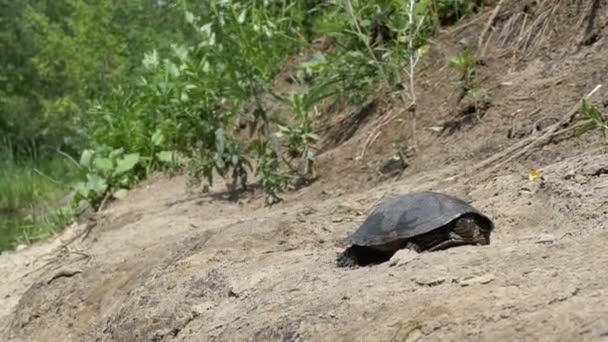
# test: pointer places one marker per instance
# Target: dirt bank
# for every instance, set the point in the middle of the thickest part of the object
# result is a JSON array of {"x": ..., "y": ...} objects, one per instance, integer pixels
[{"x": 169, "y": 265}]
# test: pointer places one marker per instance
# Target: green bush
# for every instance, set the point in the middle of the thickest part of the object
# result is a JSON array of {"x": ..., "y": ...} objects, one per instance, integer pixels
[{"x": 189, "y": 104}]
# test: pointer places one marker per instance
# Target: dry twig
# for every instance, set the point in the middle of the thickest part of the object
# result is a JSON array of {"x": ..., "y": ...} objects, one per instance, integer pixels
[
  {"x": 524, "y": 146},
  {"x": 489, "y": 24}
]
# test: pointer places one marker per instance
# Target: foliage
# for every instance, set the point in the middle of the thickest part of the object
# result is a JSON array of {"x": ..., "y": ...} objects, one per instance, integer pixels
[
  {"x": 137, "y": 86},
  {"x": 191, "y": 101},
  {"x": 272, "y": 178},
  {"x": 18, "y": 79},
  {"x": 29, "y": 191},
  {"x": 591, "y": 118},
  {"x": 299, "y": 135},
  {"x": 109, "y": 173},
  {"x": 15, "y": 230},
  {"x": 384, "y": 39},
  {"x": 466, "y": 64},
  {"x": 24, "y": 184},
  {"x": 59, "y": 55}
]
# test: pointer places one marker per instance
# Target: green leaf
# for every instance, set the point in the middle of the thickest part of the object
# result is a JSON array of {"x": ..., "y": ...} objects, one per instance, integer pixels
[
  {"x": 120, "y": 193},
  {"x": 365, "y": 23},
  {"x": 189, "y": 17},
  {"x": 313, "y": 136},
  {"x": 151, "y": 61},
  {"x": 220, "y": 165},
  {"x": 96, "y": 183},
  {"x": 86, "y": 157},
  {"x": 117, "y": 152},
  {"x": 423, "y": 50},
  {"x": 82, "y": 189},
  {"x": 166, "y": 156},
  {"x": 126, "y": 163},
  {"x": 157, "y": 138},
  {"x": 242, "y": 16},
  {"x": 104, "y": 165},
  {"x": 220, "y": 140},
  {"x": 172, "y": 69},
  {"x": 184, "y": 97}
]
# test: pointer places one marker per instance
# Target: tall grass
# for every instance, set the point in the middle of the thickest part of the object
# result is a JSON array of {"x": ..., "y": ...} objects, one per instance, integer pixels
[{"x": 30, "y": 198}]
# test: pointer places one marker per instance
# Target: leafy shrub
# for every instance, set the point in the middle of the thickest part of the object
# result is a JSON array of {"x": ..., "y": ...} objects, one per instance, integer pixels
[
  {"x": 190, "y": 104},
  {"x": 109, "y": 173}
]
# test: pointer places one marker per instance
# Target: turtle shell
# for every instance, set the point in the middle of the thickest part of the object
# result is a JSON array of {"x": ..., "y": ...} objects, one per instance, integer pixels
[{"x": 411, "y": 215}]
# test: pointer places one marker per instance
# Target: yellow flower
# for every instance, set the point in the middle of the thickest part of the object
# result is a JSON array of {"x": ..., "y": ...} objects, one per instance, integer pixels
[{"x": 533, "y": 175}]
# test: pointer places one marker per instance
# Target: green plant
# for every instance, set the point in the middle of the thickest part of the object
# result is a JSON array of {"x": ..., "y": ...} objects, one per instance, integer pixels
[
  {"x": 109, "y": 173},
  {"x": 273, "y": 178},
  {"x": 299, "y": 135},
  {"x": 384, "y": 41},
  {"x": 465, "y": 63},
  {"x": 190, "y": 103},
  {"x": 35, "y": 226},
  {"x": 400, "y": 153},
  {"x": 27, "y": 184},
  {"x": 30, "y": 191},
  {"x": 590, "y": 118}
]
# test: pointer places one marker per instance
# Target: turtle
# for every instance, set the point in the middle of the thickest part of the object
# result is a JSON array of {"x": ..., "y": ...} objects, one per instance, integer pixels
[{"x": 420, "y": 221}]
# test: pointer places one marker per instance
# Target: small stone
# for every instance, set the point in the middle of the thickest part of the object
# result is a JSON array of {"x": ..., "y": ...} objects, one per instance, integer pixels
[
  {"x": 570, "y": 174},
  {"x": 545, "y": 239},
  {"x": 308, "y": 211},
  {"x": 20, "y": 247},
  {"x": 402, "y": 257},
  {"x": 483, "y": 279},
  {"x": 429, "y": 280},
  {"x": 393, "y": 167},
  {"x": 337, "y": 219}
]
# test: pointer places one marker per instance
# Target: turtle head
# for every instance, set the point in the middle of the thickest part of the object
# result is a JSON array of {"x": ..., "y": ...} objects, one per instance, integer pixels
[{"x": 473, "y": 230}]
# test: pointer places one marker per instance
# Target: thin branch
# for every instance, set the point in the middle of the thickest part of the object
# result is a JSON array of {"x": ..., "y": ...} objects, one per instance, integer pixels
[
  {"x": 489, "y": 24},
  {"x": 363, "y": 38},
  {"x": 69, "y": 157},
  {"x": 54, "y": 181}
]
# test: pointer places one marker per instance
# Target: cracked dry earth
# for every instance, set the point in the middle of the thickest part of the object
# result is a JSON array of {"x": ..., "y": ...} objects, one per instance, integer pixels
[{"x": 166, "y": 266}]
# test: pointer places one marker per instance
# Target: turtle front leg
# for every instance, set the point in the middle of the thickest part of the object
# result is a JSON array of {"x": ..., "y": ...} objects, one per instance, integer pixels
[
  {"x": 348, "y": 258},
  {"x": 453, "y": 240},
  {"x": 413, "y": 247}
]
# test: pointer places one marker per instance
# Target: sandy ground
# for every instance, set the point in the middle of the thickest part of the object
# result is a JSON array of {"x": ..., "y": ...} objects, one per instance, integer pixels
[{"x": 168, "y": 264}]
